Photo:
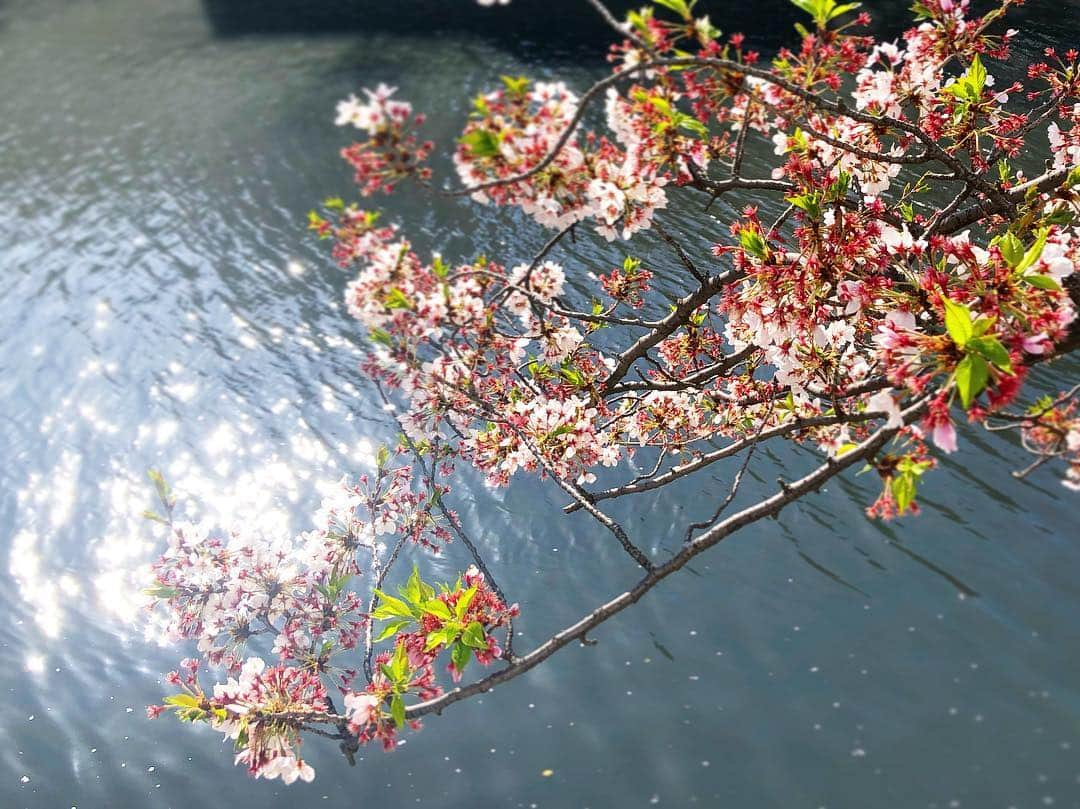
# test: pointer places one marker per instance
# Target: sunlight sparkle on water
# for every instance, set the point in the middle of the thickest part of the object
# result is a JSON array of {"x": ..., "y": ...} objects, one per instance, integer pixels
[
  {"x": 223, "y": 473},
  {"x": 35, "y": 664}
]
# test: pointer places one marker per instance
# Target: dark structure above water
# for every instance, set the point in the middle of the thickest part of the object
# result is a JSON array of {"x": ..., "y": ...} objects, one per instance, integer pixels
[{"x": 559, "y": 27}]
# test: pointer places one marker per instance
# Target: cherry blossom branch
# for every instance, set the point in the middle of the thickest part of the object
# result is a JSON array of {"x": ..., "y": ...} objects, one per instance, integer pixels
[
  {"x": 455, "y": 523},
  {"x": 582, "y": 500},
  {"x": 685, "y": 306},
  {"x": 694, "y": 380},
  {"x": 381, "y": 572},
  {"x": 567, "y": 486},
  {"x": 768, "y": 507},
  {"x": 799, "y": 424},
  {"x": 851, "y": 304},
  {"x": 734, "y": 490},
  {"x": 1048, "y": 181},
  {"x": 610, "y": 19},
  {"x": 680, "y": 252}
]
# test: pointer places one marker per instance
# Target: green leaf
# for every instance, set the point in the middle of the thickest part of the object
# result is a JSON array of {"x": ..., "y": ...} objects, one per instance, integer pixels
[
  {"x": 1060, "y": 216},
  {"x": 460, "y": 655},
  {"x": 538, "y": 371},
  {"x": 804, "y": 32},
  {"x": 390, "y": 607},
  {"x": 1040, "y": 406},
  {"x": 659, "y": 103},
  {"x": 990, "y": 348},
  {"x": 809, "y": 203},
  {"x": 909, "y": 465},
  {"x": 1032, "y": 255},
  {"x": 474, "y": 636},
  {"x": 573, "y": 376},
  {"x": 515, "y": 86},
  {"x": 391, "y": 628},
  {"x": 903, "y": 491},
  {"x": 562, "y": 429},
  {"x": 640, "y": 20},
  {"x": 969, "y": 87},
  {"x": 957, "y": 321},
  {"x": 161, "y": 591},
  {"x": 840, "y": 10},
  {"x": 334, "y": 203},
  {"x": 824, "y": 11},
  {"x": 481, "y": 143},
  {"x": 680, "y": 7},
  {"x": 838, "y": 189},
  {"x": 463, "y": 602},
  {"x": 1012, "y": 249},
  {"x": 982, "y": 325},
  {"x": 396, "y": 299},
  {"x": 752, "y": 242},
  {"x": 335, "y": 586},
  {"x": 706, "y": 31},
  {"x": 397, "y": 710},
  {"x": 972, "y": 374},
  {"x": 1004, "y": 171},
  {"x": 164, "y": 492},
  {"x": 976, "y": 76},
  {"x": 480, "y": 107},
  {"x": 801, "y": 142},
  {"x": 399, "y": 664},
  {"x": 441, "y": 637},
  {"x": 437, "y": 608},
  {"x": 1042, "y": 282},
  {"x": 691, "y": 124},
  {"x": 381, "y": 336},
  {"x": 413, "y": 591},
  {"x": 182, "y": 700}
]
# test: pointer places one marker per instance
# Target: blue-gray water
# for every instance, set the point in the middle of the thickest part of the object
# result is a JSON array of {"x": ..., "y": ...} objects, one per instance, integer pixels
[{"x": 161, "y": 305}]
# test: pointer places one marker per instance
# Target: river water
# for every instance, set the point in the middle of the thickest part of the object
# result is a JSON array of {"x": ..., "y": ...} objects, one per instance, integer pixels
[{"x": 161, "y": 305}]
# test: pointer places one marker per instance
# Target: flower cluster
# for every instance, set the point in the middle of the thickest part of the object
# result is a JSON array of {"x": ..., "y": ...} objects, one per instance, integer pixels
[
  {"x": 223, "y": 591},
  {"x": 293, "y": 596},
  {"x": 628, "y": 284},
  {"x": 514, "y": 131},
  {"x": 1065, "y": 145},
  {"x": 424, "y": 623},
  {"x": 392, "y": 151},
  {"x": 259, "y": 710},
  {"x": 1051, "y": 429}
]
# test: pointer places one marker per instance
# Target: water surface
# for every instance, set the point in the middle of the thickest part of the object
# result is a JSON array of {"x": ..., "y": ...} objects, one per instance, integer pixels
[{"x": 161, "y": 305}]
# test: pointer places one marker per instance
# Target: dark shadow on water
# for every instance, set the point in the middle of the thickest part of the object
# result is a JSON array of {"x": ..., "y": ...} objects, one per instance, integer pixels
[
  {"x": 831, "y": 574},
  {"x": 560, "y": 29},
  {"x": 551, "y": 28},
  {"x": 894, "y": 541},
  {"x": 661, "y": 648},
  {"x": 949, "y": 577}
]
